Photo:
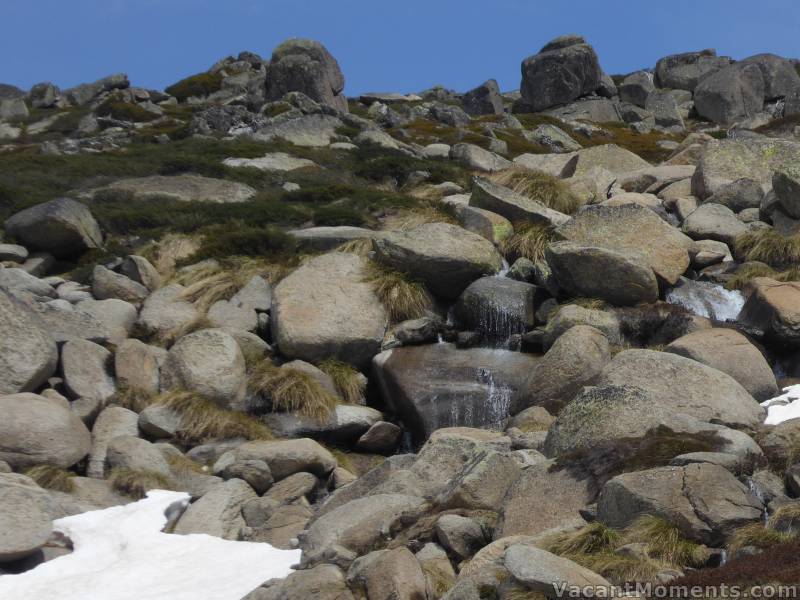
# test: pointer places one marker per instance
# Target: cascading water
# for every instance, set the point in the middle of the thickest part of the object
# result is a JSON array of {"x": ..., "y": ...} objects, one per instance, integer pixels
[
  {"x": 498, "y": 400},
  {"x": 707, "y": 299}
]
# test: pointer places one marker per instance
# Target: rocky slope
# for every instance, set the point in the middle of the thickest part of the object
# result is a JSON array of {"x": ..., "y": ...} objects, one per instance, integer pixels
[{"x": 450, "y": 346}]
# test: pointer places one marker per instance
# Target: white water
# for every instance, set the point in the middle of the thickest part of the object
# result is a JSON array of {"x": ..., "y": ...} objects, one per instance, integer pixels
[
  {"x": 784, "y": 407},
  {"x": 120, "y": 553},
  {"x": 707, "y": 299}
]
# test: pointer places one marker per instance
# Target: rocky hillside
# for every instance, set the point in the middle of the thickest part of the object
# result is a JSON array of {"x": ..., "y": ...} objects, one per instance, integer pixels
[{"x": 454, "y": 346}]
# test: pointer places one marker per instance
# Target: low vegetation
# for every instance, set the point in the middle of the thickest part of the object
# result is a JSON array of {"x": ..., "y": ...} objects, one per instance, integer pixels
[
  {"x": 135, "y": 484},
  {"x": 350, "y": 384},
  {"x": 53, "y": 478},
  {"x": 746, "y": 273},
  {"x": 550, "y": 191},
  {"x": 125, "y": 111},
  {"x": 403, "y": 297},
  {"x": 202, "y": 84},
  {"x": 529, "y": 240},
  {"x": 290, "y": 390},
  {"x": 770, "y": 247}
]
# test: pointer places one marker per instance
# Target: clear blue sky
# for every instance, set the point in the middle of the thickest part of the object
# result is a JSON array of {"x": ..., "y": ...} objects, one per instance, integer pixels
[{"x": 397, "y": 45}]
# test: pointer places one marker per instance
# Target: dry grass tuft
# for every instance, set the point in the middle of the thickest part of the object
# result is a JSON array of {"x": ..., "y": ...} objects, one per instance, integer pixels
[
  {"x": 769, "y": 246},
  {"x": 349, "y": 382},
  {"x": 550, "y": 191},
  {"x": 758, "y": 536},
  {"x": 182, "y": 466},
  {"x": 747, "y": 273},
  {"x": 291, "y": 390},
  {"x": 529, "y": 240},
  {"x": 136, "y": 484},
  {"x": 361, "y": 247},
  {"x": 665, "y": 542},
  {"x": 402, "y": 297},
  {"x": 132, "y": 399},
  {"x": 592, "y": 539},
  {"x": 170, "y": 250},
  {"x": 51, "y": 477}
]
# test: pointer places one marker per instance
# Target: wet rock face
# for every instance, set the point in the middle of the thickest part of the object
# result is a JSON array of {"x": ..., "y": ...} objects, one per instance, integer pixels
[{"x": 497, "y": 307}]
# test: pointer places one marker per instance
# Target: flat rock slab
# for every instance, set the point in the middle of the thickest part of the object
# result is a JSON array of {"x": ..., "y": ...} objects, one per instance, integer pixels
[
  {"x": 184, "y": 188},
  {"x": 274, "y": 161}
]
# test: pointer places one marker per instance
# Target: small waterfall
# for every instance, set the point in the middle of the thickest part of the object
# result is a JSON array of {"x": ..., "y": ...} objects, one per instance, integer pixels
[
  {"x": 723, "y": 558},
  {"x": 707, "y": 299},
  {"x": 503, "y": 272},
  {"x": 759, "y": 494},
  {"x": 498, "y": 400}
]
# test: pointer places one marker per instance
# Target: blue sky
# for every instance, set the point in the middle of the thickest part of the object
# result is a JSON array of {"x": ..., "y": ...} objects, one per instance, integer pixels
[{"x": 400, "y": 45}]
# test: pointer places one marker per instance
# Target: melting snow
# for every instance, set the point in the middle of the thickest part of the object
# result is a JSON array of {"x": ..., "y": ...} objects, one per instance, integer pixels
[
  {"x": 783, "y": 407},
  {"x": 120, "y": 553}
]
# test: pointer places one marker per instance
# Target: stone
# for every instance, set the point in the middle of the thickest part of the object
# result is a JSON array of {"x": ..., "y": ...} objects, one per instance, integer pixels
[
  {"x": 29, "y": 355},
  {"x": 484, "y": 99},
  {"x": 541, "y": 571},
  {"x": 13, "y": 109},
  {"x": 713, "y": 222},
  {"x": 44, "y": 95},
  {"x": 631, "y": 229},
  {"x": 485, "y": 223},
  {"x": 448, "y": 114},
  {"x": 15, "y": 281},
  {"x": 436, "y": 386},
  {"x": 112, "y": 422},
  {"x": 786, "y": 184},
  {"x": 226, "y": 315},
  {"x": 182, "y": 188},
  {"x": 511, "y": 205},
  {"x": 117, "y": 316},
  {"x": 86, "y": 92},
  {"x": 774, "y": 308},
  {"x": 388, "y": 575},
  {"x": 611, "y": 157},
  {"x": 381, "y": 438},
  {"x": 108, "y": 284},
  {"x": 324, "y": 239},
  {"x": 483, "y": 483},
  {"x": 255, "y": 472},
  {"x": 313, "y": 131},
  {"x": 36, "y": 430},
  {"x": 475, "y": 157},
  {"x": 210, "y": 363},
  {"x": 497, "y": 307},
  {"x": 286, "y": 457},
  {"x": 88, "y": 370},
  {"x": 558, "y": 75},
  {"x": 620, "y": 278},
  {"x": 739, "y": 195},
  {"x": 553, "y": 138},
  {"x": 159, "y": 422},
  {"x": 557, "y": 165},
  {"x": 300, "y": 65},
  {"x": 136, "y": 454},
  {"x": 13, "y": 252},
  {"x": 137, "y": 366},
  {"x": 462, "y": 536},
  {"x": 683, "y": 71},
  {"x": 665, "y": 109},
  {"x": 25, "y": 517},
  {"x": 730, "y": 94},
  {"x": 326, "y": 309},
  {"x": 729, "y": 351},
  {"x": 165, "y": 312},
  {"x": 636, "y": 88},
  {"x": 445, "y": 257},
  {"x": 62, "y": 227},
  {"x": 294, "y": 487},
  {"x": 705, "y": 501},
  {"x": 780, "y": 76},
  {"x": 274, "y": 161},
  {"x": 592, "y": 109},
  {"x": 218, "y": 512},
  {"x": 343, "y": 426},
  {"x": 140, "y": 270},
  {"x": 439, "y": 573}
]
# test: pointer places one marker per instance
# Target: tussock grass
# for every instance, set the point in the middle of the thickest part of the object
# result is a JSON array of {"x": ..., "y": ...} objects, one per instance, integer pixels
[
  {"x": 291, "y": 390},
  {"x": 403, "y": 297},
  {"x": 166, "y": 338},
  {"x": 529, "y": 240},
  {"x": 592, "y": 539},
  {"x": 201, "y": 84},
  {"x": 758, "y": 536},
  {"x": 182, "y": 466},
  {"x": 665, "y": 542},
  {"x": 747, "y": 273},
  {"x": 170, "y": 250},
  {"x": 770, "y": 247},
  {"x": 51, "y": 477},
  {"x": 348, "y": 381},
  {"x": 136, "y": 484},
  {"x": 550, "y": 191},
  {"x": 131, "y": 398},
  {"x": 361, "y": 247}
]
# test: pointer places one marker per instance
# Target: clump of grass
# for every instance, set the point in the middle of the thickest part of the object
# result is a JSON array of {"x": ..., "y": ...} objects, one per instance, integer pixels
[
  {"x": 745, "y": 274},
  {"x": 166, "y": 338},
  {"x": 131, "y": 398},
  {"x": 361, "y": 247},
  {"x": 348, "y": 381},
  {"x": 182, "y": 466},
  {"x": 51, "y": 477},
  {"x": 136, "y": 484},
  {"x": 239, "y": 239},
  {"x": 291, "y": 390},
  {"x": 529, "y": 240},
  {"x": 169, "y": 251},
  {"x": 202, "y": 420},
  {"x": 757, "y": 536},
  {"x": 665, "y": 542},
  {"x": 547, "y": 189},
  {"x": 770, "y": 247},
  {"x": 201, "y": 84},
  {"x": 592, "y": 539},
  {"x": 125, "y": 111},
  {"x": 402, "y": 297},
  {"x": 588, "y": 303}
]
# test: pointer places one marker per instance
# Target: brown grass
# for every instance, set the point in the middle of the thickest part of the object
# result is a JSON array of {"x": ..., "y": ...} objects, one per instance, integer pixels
[
  {"x": 349, "y": 383},
  {"x": 136, "y": 484},
  {"x": 291, "y": 390},
  {"x": 770, "y": 247},
  {"x": 361, "y": 247},
  {"x": 51, "y": 477},
  {"x": 402, "y": 297},
  {"x": 550, "y": 191},
  {"x": 747, "y": 273},
  {"x": 529, "y": 240}
]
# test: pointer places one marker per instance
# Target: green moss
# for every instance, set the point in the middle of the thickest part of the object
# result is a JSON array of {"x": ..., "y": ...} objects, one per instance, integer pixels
[{"x": 201, "y": 84}]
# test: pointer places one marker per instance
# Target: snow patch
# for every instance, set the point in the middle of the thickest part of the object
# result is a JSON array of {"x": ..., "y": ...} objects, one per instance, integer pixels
[
  {"x": 120, "y": 553},
  {"x": 784, "y": 407}
]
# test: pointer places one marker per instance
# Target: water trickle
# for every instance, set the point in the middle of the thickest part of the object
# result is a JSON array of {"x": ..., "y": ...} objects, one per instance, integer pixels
[
  {"x": 759, "y": 494},
  {"x": 707, "y": 299},
  {"x": 504, "y": 269},
  {"x": 498, "y": 399}
]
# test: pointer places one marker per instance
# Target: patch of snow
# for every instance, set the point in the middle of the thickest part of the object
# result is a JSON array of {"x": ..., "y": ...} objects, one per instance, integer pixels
[
  {"x": 120, "y": 553},
  {"x": 707, "y": 299},
  {"x": 784, "y": 407}
]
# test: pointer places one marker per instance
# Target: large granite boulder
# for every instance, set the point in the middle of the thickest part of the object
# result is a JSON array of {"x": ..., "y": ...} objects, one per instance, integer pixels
[
  {"x": 731, "y": 94},
  {"x": 635, "y": 231},
  {"x": 484, "y": 99},
  {"x": 636, "y": 87},
  {"x": 511, "y": 205},
  {"x": 37, "y": 430},
  {"x": 559, "y": 74},
  {"x": 306, "y": 66},
  {"x": 29, "y": 355},
  {"x": 773, "y": 308},
  {"x": 498, "y": 307},
  {"x": 62, "y": 227},
  {"x": 781, "y": 79},
  {"x": 445, "y": 257},
  {"x": 614, "y": 159},
  {"x": 683, "y": 71},
  {"x": 88, "y": 370},
  {"x": 713, "y": 222},
  {"x": 435, "y": 386},
  {"x": 326, "y": 309},
  {"x": 218, "y": 512},
  {"x": 182, "y": 188},
  {"x": 541, "y": 571},
  {"x": 26, "y": 514}
]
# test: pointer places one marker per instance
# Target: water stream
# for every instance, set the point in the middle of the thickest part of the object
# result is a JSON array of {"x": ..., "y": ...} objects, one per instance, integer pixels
[{"x": 707, "y": 299}]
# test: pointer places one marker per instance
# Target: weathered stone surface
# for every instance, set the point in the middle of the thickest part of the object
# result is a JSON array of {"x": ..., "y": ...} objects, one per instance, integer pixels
[
  {"x": 286, "y": 457},
  {"x": 540, "y": 571},
  {"x": 136, "y": 454},
  {"x": 86, "y": 92},
  {"x": 554, "y": 138},
  {"x": 636, "y": 88},
  {"x": 445, "y": 257},
  {"x": 713, "y": 222},
  {"x": 326, "y": 309},
  {"x": 344, "y": 425},
  {"x": 683, "y": 71},
  {"x": 88, "y": 370},
  {"x": 108, "y": 284},
  {"x": 484, "y": 99},
  {"x": 611, "y": 157},
  {"x": 324, "y": 239},
  {"x": 786, "y": 184},
  {"x": 165, "y": 311},
  {"x": 112, "y": 422},
  {"x": 29, "y": 355},
  {"x": 315, "y": 130},
  {"x": 13, "y": 252},
  {"x": 557, "y": 165},
  {"x": 141, "y": 271},
  {"x": 209, "y": 362},
  {"x": 117, "y": 316},
  {"x": 273, "y": 161},
  {"x": 25, "y": 517},
  {"x": 137, "y": 365},
  {"x": 184, "y": 188},
  {"x": 559, "y": 74},
  {"x": 388, "y": 575},
  {"x": 36, "y": 430},
  {"x": 780, "y": 77},
  {"x": 475, "y": 157},
  {"x": 731, "y": 94},
  {"x": 514, "y": 207},
  {"x": 706, "y": 502},
  {"x": 634, "y": 230},
  {"x": 437, "y": 386},
  {"x": 498, "y": 307},
  {"x": 665, "y": 109},
  {"x": 218, "y": 512},
  {"x": 729, "y": 351},
  {"x": 620, "y": 277},
  {"x": 62, "y": 227},
  {"x": 774, "y": 308}
]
